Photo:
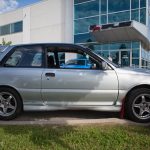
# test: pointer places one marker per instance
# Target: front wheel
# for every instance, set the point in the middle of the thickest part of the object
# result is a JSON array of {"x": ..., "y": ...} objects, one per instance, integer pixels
[
  {"x": 10, "y": 104},
  {"x": 138, "y": 105}
]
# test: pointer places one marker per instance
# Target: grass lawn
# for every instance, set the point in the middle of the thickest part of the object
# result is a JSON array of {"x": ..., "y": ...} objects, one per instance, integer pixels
[{"x": 74, "y": 138}]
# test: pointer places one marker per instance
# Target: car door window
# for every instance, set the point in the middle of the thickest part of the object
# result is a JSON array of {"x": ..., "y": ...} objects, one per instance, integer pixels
[
  {"x": 25, "y": 57},
  {"x": 74, "y": 60},
  {"x": 67, "y": 58}
]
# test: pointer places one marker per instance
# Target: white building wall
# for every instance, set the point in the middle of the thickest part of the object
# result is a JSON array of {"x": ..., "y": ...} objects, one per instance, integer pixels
[
  {"x": 149, "y": 14},
  {"x": 50, "y": 20},
  {"x": 46, "y": 21},
  {"x": 26, "y": 25},
  {"x": 69, "y": 30},
  {"x": 8, "y": 18}
]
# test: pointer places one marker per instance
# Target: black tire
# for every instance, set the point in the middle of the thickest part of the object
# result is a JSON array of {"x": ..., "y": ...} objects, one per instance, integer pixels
[
  {"x": 132, "y": 111},
  {"x": 18, "y": 103}
]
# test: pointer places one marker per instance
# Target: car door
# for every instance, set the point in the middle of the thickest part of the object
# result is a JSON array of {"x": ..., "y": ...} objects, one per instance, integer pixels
[
  {"x": 22, "y": 70},
  {"x": 78, "y": 86}
]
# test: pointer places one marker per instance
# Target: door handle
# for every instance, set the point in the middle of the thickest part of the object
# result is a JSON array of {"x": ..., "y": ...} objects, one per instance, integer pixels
[{"x": 50, "y": 74}]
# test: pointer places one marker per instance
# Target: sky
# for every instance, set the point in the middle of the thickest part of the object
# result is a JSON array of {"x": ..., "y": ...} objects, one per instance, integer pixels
[{"x": 9, "y": 5}]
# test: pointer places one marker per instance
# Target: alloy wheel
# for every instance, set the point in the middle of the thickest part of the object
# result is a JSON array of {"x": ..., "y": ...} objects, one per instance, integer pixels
[
  {"x": 8, "y": 104},
  {"x": 141, "y": 106}
]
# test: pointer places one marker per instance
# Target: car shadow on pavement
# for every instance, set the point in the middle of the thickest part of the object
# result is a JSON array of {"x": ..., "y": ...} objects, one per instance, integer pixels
[{"x": 66, "y": 114}]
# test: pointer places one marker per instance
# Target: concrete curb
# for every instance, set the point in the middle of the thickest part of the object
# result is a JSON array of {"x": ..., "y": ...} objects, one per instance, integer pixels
[{"x": 70, "y": 122}]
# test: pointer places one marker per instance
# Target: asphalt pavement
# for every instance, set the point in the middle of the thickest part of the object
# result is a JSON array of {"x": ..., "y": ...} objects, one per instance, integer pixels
[{"x": 69, "y": 117}]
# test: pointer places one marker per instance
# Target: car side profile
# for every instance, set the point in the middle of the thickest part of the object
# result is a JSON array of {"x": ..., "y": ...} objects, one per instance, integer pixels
[{"x": 32, "y": 79}]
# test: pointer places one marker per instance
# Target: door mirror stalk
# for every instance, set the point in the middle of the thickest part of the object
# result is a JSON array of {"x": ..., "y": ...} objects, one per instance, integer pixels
[{"x": 104, "y": 65}]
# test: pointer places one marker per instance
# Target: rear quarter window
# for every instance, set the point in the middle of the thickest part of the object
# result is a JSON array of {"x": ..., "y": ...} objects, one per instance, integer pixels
[
  {"x": 3, "y": 48},
  {"x": 25, "y": 57}
]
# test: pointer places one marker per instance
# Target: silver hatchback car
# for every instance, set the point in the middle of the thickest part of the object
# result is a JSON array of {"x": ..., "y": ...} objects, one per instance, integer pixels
[{"x": 31, "y": 79}]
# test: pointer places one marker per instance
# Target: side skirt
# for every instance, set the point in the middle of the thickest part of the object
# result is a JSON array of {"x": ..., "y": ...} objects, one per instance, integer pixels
[{"x": 52, "y": 108}]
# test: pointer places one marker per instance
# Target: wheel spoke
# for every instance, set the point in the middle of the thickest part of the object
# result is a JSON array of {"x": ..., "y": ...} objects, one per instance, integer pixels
[
  {"x": 147, "y": 110},
  {"x": 5, "y": 110},
  {"x": 1, "y": 98},
  {"x": 141, "y": 112},
  {"x": 137, "y": 106},
  {"x": 9, "y": 98},
  {"x": 0, "y": 105},
  {"x": 143, "y": 99},
  {"x": 11, "y": 106}
]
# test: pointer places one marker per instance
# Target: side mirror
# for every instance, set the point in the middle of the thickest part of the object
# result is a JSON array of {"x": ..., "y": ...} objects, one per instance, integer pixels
[
  {"x": 104, "y": 65},
  {"x": 93, "y": 66}
]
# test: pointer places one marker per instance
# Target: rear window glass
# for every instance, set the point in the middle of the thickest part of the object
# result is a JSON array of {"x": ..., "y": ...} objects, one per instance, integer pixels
[
  {"x": 26, "y": 57},
  {"x": 2, "y": 48}
]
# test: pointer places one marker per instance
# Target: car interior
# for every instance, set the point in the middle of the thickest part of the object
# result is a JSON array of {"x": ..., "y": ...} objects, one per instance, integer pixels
[{"x": 55, "y": 60}]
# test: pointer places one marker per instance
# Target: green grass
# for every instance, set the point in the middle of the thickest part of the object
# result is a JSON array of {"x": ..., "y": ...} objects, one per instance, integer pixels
[{"x": 74, "y": 138}]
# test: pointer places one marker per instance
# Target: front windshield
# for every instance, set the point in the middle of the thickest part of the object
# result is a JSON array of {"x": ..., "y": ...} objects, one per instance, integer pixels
[
  {"x": 107, "y": 60},
  {"x": 117, "y": 66}
]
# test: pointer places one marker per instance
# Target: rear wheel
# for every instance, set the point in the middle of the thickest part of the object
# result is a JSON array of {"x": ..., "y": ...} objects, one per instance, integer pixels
[
  {"x": 138, "y": 105},
  {"x": 10, "y": 104}
]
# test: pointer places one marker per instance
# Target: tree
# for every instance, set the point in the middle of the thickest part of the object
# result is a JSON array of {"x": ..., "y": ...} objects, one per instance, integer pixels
[{"x": 5, "y": 43}]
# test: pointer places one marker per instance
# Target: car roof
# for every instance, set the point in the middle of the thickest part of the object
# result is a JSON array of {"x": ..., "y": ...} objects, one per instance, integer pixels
[
  {"x": 50, "y": 44},
  {"x": 67, "y": 45}
]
